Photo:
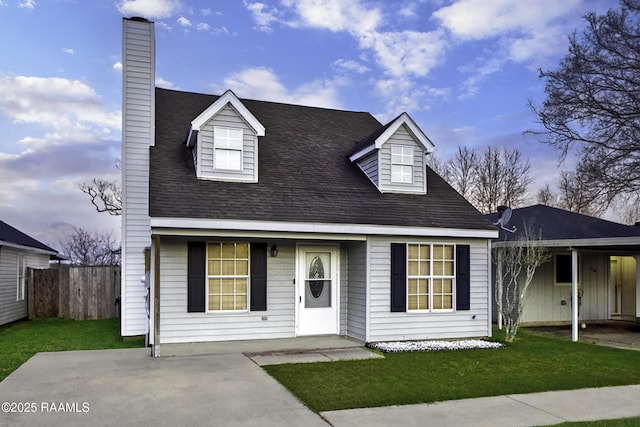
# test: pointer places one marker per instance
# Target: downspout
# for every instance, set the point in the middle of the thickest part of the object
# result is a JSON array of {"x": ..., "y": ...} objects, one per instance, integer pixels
[
  {"x": 574, "y": 293},
  {"x": 155, "y": 349}
]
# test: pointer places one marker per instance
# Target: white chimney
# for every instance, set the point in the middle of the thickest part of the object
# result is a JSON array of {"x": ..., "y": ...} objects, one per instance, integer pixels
[{"x": 138, "y": 128}]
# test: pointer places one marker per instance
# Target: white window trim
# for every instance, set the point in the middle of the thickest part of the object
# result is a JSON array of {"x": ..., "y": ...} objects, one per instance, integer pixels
[
  {"x": 208, "y": 276},
  {"x": 21, "y": 280},
  {"x": 406, "y": 161},
  {"x": 430, "y": 278},
  {"x": 227, "y": 148}
]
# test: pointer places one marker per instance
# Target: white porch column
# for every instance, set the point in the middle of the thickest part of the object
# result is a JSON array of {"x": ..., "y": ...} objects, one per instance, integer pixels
[{"x": 574, "y": 295}]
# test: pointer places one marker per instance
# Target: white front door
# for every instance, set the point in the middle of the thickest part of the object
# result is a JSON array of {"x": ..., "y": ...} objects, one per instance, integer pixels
[{"x": 317, "y": 290}]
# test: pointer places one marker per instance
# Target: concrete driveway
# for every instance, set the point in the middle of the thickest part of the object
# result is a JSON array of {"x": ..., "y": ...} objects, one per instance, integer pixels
[{"x": 129, "y": 388}]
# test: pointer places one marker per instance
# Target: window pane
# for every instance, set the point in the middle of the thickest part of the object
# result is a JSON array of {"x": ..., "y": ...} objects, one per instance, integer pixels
[
  {"x": 228, "y": 267},
  {"x": 423, "y": 286},
  {"x": 438, "y": 252},
  {"x": 214, "y": 286},
  {"x": 438, "y": 268},
  {"x": 447, "y": 286},
  {"x": 242, "y": 250},
  {"x": 448, "y": 268},
  {"x": 423, "y": 302},
  {"x": 214, "y": 302},
  {"x": 241, "y": 302},
  {"x": 214, "y": 267},
  {"x": 413, "y": 251},
  {"x": 228, "y": 250},
  {"x": 424, "y": 252},
  {"x": 413, "y": 268},
  {"x": 214, "y": 250},
  {"x": 412, "y": 302},
  {"x": 437, "y": 302},
  {"x": 242, "y": 268},
  {"x": 424, "y": 268},
  {"x": 413, "y": 286},
  {"x": 447, "y": 302},
  {"x": 241, "y": 287},
  {"x": 228, "y": 302},
  {"x": 227, "y": 286},
  {"x": 448, "y": 252}
]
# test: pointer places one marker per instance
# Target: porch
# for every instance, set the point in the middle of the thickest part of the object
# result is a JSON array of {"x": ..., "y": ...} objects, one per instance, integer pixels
[{"x": 614, "y": 333}]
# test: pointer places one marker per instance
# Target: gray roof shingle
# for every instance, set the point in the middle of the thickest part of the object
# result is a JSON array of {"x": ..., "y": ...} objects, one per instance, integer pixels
[
  {"x": 10, "y": 234},
  {"x": 304, "y": 174},
  {"x": 560, "y": 224}
]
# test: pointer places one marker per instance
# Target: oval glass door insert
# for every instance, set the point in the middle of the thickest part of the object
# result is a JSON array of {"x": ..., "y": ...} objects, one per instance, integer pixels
[{"x": 318, "y": 280}]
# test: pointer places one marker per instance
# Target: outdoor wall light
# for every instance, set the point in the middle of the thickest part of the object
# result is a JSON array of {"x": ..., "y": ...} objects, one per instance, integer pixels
[{"x": 274, "y": 251}]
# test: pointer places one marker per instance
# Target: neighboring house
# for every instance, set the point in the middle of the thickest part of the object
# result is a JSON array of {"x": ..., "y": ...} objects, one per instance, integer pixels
[
  {"x": 269, "y": 220},
  {"x": 607, "y": 255},
  {"x": 17, "y": 253}
]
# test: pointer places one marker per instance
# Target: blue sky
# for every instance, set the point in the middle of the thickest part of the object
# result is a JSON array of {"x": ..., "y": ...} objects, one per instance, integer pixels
[{"x": 463, "y": 69}]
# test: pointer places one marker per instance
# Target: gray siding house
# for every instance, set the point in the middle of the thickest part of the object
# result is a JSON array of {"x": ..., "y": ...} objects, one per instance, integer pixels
[
  {"x": 595, "y": 259},
  {"x": 18, "y": 252},
  {"x": 269, "y": 220}
]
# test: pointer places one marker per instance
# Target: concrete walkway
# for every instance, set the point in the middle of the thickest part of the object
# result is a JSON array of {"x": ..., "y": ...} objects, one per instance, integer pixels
[{"x": 128, "y": 388}]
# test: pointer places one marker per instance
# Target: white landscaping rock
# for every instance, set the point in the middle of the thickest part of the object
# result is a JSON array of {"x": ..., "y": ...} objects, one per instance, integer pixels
[{"x": 400, "y": 346}]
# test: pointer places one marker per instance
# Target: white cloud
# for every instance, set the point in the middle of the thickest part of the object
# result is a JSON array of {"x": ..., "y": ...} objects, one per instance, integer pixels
[
  {"x": 262, "y": 15},
  {"x": 27, "y": 4},
  {"x": 263, "y": 83},
  {"x": 337, "y": 15},
  {"x": 55, "y": 102},
  {"x": 203, "y": 26},
  {"x": 351, "y": 65},
  {"x": 405, "y": 94},
  {"x": 205, "y": 12},
  {"x": 164, "y": 83},
  {"x": 149, "y": 8},
  {"x": 117, "y": 66},
  {"x": 69, "y": 51},
  {"x": 184, "y": 21}
]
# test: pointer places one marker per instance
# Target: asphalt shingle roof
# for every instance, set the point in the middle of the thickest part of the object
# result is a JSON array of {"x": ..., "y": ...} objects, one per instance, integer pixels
[
  {"x": 304, "y": 174},
  {"x": 559, "y": 224},
  {"x": 10, "y": 234}
]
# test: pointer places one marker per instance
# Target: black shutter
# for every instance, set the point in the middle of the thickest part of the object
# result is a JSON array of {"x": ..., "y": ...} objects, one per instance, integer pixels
[
  {"x": 398, "y": 277},
  {"x": 463, "y": 277},
  {"x": 258, "y": 277},
  {"x": 196, "y": 258}
]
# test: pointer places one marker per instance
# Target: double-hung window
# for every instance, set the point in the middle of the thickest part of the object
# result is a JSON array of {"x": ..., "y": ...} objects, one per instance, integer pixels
[
  {"x": 227, "y": 143},
  {"x": 401, "y": 164},
  {"x": 227, "y": 276},
  {"x": 430, "y": 276}
]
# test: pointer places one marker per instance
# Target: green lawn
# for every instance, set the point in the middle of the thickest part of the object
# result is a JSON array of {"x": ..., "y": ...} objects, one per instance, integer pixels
[
  {"x": 530, "y": 364},
  {"x": 19, "y": 341},
  {"x": 622, "y": 422}
]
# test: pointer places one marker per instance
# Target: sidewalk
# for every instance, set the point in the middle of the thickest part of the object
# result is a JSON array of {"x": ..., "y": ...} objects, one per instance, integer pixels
[{"x": 536, "y": 409}]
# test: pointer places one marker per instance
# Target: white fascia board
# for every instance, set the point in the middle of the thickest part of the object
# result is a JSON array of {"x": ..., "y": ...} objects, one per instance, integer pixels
[
  {"x": 188, "y": 226},
  {"x": 228, "y": 98},
  {"x": 567, "y": 243},
  {"x": 360, "y": 154},
  {"x": 417, "y": 132},
  {"x": 28, "y": 248}
]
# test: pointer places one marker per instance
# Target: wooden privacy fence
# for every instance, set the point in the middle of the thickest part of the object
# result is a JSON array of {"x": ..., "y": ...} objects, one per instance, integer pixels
[{"x": 79, "y": 293}]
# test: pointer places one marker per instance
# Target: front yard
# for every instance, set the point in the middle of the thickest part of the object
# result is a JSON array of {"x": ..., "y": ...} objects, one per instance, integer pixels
[
  {"x": 530, "y": 364},
  {"x": 19, "y": 341}
]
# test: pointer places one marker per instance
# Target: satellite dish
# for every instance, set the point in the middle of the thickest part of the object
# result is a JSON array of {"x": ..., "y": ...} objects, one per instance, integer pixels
[{"x": 504, "y": 216}]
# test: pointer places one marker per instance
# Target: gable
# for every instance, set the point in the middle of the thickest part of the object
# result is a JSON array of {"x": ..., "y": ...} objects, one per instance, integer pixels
[
  {"x": 393, "y": 157},
  {"x": 224, "y": 141}
]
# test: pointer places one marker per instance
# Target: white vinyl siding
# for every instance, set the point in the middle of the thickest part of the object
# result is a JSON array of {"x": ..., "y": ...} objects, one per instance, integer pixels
[
  {"x": 386, "y": 325},
  {"x": 137, "y": 136},
  {"x": 393, "y": 167},
  {"x": 177, "y": 325},
  {"x": 544, "y": 302},
  {"x": 369, "y": 166},
  {"x": 356, "y": 292},
  {"x": 233, "y": 155},
  {"x": 12, "y": 309}
]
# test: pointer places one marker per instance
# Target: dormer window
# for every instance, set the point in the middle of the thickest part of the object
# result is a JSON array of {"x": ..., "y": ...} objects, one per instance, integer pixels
[
  {"x": 227, "y": 144},
  {"x": 401, "y": 164}
]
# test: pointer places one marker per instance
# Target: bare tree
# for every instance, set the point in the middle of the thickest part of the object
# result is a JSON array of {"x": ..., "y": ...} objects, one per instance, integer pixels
[
  {"x": 576, "y": 195},
  {"x": 105, "y": 195},
  {"x": 516, "y": 262},
  {"x": 91, "y": 248},
  {"x": 593, "y": 102},
  {"x": 545, "y": 196},
  {"x": 501, "y": 178},
  {"x": 463, "y": 171}
]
